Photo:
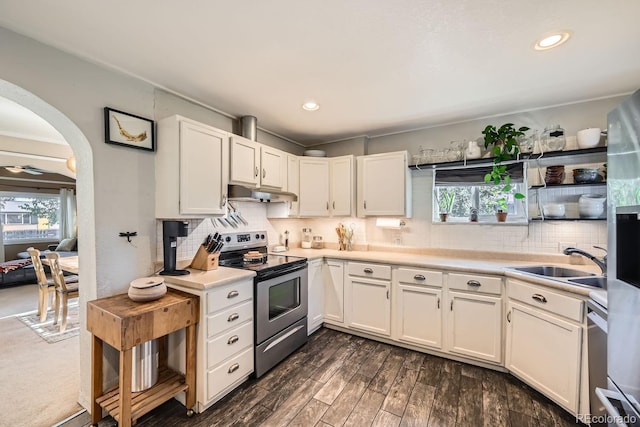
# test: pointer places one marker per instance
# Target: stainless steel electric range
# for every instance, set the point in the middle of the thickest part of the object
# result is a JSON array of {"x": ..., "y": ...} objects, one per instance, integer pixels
[{"x": 279, "y": 298}]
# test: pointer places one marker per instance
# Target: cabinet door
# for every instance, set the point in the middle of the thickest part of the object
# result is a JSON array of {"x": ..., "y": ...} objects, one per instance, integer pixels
[
  {"x": 384, "y": 184},
  {"x": 544, "y": 351},
  {"x": 368, "y": 306},
  {"x": 293, "y": 181},
  {"x": 418, "y": 317},
  {"x": 273, "y": 167},
  {"x": 342, "y": 181},
  {"x": 333, "y": 281},
  {"x": 316, "y": 296},
  {"x": 475, "y": 326},
  {"x": 314, "y": 187},
  {"x": 245, "y": 162},
  {"x": 203, "y": 169}
]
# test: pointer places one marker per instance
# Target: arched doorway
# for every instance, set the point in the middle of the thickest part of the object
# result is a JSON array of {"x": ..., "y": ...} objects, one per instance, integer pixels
[{"x": 85, "y": 205}]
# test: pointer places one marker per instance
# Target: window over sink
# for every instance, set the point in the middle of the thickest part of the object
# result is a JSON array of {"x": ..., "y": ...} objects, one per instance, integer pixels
[{"x": 469, "y": 192}]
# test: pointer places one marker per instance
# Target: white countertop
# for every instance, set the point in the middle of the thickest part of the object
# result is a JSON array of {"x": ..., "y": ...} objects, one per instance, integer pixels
[{"x": 223, "y": 275}]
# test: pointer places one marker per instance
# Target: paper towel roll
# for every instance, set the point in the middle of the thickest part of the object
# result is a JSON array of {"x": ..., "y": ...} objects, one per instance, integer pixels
[{"x": 396, "y": 223}]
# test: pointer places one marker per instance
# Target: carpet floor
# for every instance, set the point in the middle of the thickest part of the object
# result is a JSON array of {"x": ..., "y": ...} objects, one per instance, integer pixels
[{"x": 40, "y": 381}]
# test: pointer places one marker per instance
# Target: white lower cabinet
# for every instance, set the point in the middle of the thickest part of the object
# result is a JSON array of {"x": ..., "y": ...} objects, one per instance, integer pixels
[
  {"x": 224, "y": 343},
  {"x": 417, "y": 299},
  {"x": 475, "y": 326},
  {"x": 315, "y": 295},
  {"x": 544, "y": 347},
  {"x": 367, "y": 298},
  {"x": 333, "y": 281}
]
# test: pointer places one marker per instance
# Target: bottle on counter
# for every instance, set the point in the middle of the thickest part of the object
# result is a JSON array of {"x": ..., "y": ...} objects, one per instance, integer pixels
[{"x": 306, "y": 238}]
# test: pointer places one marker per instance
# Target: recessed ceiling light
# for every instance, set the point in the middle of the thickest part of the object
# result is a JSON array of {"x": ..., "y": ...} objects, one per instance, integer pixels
[
  {"x": 551, "y": 40},
  {"x": 310, "y": 106}
]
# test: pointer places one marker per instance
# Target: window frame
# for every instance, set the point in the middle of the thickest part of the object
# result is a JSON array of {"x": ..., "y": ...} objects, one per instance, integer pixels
[
  {"x": 27, "y": 194},
  {"x": 521, "y": 218}
]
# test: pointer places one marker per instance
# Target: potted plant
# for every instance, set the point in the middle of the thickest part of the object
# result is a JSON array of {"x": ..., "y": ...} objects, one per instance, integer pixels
[
  {"x": 445, "y": 202},
  {"x": 504, "y": 142}
]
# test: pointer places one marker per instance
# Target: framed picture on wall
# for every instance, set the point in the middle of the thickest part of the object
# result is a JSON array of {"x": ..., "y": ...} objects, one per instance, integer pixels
[{"x": 129, "y": 130}]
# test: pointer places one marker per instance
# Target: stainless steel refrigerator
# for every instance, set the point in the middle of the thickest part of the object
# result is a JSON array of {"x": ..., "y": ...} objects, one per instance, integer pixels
[{"x": 622, "y": 397}]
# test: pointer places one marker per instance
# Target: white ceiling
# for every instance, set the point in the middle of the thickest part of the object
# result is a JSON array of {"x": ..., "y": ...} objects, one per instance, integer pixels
[{"x": 375, "y": 66}]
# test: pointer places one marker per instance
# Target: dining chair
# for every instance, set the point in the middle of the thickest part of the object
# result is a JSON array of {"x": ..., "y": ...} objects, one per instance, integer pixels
[
  {"x": 46, "y": 286},
  {"x": 66, "y": 287}
]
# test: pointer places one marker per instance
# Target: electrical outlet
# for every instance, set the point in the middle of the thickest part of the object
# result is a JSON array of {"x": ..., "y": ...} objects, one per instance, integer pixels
[{"x": 564, "y": 245}]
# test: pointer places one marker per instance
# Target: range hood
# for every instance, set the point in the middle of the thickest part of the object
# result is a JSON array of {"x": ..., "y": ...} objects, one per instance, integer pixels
[
  {"x": 245, "y": 194},
  {"x": 249, "y": 129}
]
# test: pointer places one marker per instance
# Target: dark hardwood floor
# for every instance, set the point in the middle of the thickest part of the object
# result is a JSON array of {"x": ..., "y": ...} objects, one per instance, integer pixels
[{"x": 338, "y": 379}]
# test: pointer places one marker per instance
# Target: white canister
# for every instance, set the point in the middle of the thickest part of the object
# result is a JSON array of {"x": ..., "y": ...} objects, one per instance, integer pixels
[{"x": 472, "y": 151}]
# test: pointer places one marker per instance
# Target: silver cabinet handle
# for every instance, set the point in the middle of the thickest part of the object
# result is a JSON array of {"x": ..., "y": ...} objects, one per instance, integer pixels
[
  {"x": 264, "y": 173},
  {"x": 233, "y": 317},
  {"x": 368, "y": 270},
  {"x": 223, "y": 202},
  {"x": 232, "y": 340},
  {"x": 419, "y": 277},
  {"x": 474, "y": 283},
  {"x": 438, "y": 303},
  {"x": 387, "y": 294},
  {"x": 233, "y": 368},
  {"x": 365, "y": 204},
  {"x": 327, "y": 205},
  {"x": 509, "y": 317},
  {"x": 451, "y": 306},
  {"x": 334, "y": 204},
  {"x": 256, "y": 172},
  {"x": 233, "y": 294},
  {"x": 539, "y": 298}
]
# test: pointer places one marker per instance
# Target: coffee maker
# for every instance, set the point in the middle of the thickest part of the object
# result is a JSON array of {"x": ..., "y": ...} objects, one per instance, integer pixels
[{"x": 171, "y": 230}]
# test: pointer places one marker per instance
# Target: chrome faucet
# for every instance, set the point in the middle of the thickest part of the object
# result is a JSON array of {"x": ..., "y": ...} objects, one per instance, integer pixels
[{"x": 602, "y": 263}]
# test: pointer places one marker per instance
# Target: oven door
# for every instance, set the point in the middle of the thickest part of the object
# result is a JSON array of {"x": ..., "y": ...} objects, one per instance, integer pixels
[{"x": 280, "y": 302}]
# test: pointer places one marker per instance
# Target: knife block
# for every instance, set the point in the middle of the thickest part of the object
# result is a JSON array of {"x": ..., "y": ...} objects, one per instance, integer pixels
[{"x": 204, "y": 260}]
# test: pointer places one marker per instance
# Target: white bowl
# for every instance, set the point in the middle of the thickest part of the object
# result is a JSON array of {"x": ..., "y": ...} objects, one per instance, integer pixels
[
  {"x": 315, "y": 153},
  {"x": 555, "y": 210},
  {"x": 591, "y": 206},
  {"x": 588, "y": 138}
]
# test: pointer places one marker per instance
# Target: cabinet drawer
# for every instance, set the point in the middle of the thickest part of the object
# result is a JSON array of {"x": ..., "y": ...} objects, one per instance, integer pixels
[
  {"x": 229, "y": 318},
  {"x": 372, "y": 271},
  {"x": 229, "y": 343},
  {"x": 228, "y": 295},
  {"x": 229, "y": 372},
  {"x": 539, "y": 297},
  {"x": 475, "y": 283},
  {"x": 419, "y": 277}
]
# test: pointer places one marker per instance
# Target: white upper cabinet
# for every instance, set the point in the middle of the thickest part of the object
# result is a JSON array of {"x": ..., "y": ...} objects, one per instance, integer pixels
[
  {"x": 273, "y": 164},
  {"x": 192, "y": 169},
  {"x": 314, "y": 186},
  {"x": 256, "y": 165},
  {"x": 384, "y": 185},
  {"x": 293, "y": 181},
  {"x": 245, "y": 162},
  {"x": 342, "y": 189},
  {"x": 326, "y": 186}
]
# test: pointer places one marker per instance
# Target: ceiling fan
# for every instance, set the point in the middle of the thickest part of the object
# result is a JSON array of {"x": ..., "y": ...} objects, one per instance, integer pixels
[{"x": 27, "y": 169}]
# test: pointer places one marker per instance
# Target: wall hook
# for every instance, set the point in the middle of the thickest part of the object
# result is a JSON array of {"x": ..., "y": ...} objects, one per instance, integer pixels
[{"x": 129, "y": 235}]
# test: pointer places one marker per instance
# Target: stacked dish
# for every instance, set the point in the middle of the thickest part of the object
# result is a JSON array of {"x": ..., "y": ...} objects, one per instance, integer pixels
[
  {"x": 554, "y": 175},
  {"x": 586, "y": 176},
  {"x": 591, "y": 206}
]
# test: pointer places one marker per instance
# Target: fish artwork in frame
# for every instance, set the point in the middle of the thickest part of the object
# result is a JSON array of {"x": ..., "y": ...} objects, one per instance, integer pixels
[{"x": 126, "y": 129}]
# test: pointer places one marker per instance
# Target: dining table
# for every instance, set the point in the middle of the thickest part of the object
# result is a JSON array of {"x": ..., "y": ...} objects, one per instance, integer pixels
[{"x": 67, "y": 263}]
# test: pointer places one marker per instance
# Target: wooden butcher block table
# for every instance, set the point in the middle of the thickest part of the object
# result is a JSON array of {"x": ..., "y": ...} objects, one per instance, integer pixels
[{"x": 123, "y": 324}]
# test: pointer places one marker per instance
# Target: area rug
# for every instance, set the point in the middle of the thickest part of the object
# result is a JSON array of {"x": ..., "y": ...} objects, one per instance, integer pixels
[{"x": 47, "y": 330}]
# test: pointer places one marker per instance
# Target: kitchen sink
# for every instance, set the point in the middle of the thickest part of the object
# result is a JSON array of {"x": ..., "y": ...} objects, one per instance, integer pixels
[
  {"x": 553, "y": 271},
  {"x": 596, "y": 281}
]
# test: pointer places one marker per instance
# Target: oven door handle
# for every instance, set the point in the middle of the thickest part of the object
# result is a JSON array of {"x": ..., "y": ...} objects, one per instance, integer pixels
[{"x": 282, "y": 272}]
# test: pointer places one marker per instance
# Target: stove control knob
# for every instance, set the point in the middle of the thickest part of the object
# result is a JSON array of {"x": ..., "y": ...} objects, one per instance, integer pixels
[
  {"x": 227, "y": 239},
  {"x": 262, "y": 236},
  {"x": 257, "y": 236}
]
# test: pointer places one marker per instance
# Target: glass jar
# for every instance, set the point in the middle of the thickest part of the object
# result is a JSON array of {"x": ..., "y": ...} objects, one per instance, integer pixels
[
  {"x": 306, "y": 238},
  {"x": 553, "y": 138}
]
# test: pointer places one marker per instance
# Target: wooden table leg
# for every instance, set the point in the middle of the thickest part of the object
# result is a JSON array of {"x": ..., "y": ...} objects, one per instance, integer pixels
[
  {"x": 96, "y": 379},
  {"x": 190, "y": 366},
  {"x": 125, "y": 387}
]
